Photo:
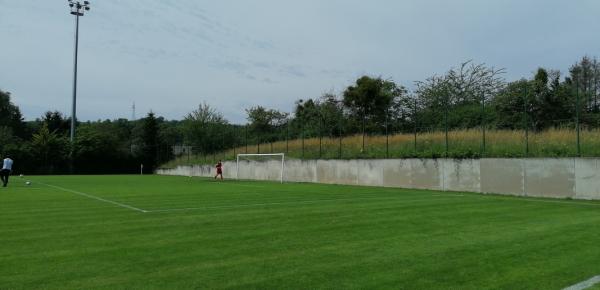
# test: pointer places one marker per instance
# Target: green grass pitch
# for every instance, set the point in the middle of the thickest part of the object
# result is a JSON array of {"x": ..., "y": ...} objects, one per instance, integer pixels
[{"x": 160, "y": 232}]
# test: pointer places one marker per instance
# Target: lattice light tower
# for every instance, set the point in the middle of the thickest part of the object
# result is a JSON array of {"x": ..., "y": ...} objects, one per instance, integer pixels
[{"x": 77, "y": 9}]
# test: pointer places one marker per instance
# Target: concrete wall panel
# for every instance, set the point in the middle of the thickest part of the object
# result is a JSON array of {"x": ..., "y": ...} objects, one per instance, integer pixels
[
  {"x": 502, "y": 176},
  {"x": 245, "y": 170},
  {"x": 397, "y": 173},
  {"x": 347, "y": 171},
  {"x": 326, "y": 171},
  {"x": 301, "y": 171},
  {"x": 461, "y": 175},
  {"x": 370, "y": 172},
  {"x": 337, "y": 171},
  {"x": 426, "y": 174},
  {"x": 587, "y": 178},
  {"x": 550, "y": 177},
  {"x": 274, "y": 170}
]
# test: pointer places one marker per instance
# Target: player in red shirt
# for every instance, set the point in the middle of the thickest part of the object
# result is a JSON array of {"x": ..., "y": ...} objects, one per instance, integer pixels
[{"x": 219, "y": 170}]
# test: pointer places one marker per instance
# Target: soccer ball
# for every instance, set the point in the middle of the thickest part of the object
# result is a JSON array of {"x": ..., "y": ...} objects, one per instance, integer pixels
[
  {"x": 28, "y": 182},
  {"x": 21, "y": 175}
]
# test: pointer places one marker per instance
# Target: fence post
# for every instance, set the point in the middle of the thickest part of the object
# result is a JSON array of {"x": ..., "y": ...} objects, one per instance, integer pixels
[
  {"x": 387, "y": 136},
  {"x": 416, "y": 125},
  {"x": 446, "y": 122},
  {"x": 320, "y": 134},
  {"x": 223, "y": 144},
  {"x": 577, "y": 109},
  {"x": 302, "y": 141},
  {"x": 483, "y": 124},
  {"x": 340, "y": 139},
  {"x": 526, "y": 120},
  {"x": 362, "y": 150},
  {"x": 234, "y": 142}
]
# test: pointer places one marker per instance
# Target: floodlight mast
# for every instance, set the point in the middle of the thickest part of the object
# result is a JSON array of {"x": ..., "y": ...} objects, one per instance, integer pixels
[{"x": 77, "y": 9}]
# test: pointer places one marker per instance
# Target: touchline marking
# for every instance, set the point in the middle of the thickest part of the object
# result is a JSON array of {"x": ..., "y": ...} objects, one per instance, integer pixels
[
  {"x": 448, "y": 197},
  {"x": 585, "y": 284},
  {"x": 95, "y": 197},
  {"x": 291, "y": 202}
]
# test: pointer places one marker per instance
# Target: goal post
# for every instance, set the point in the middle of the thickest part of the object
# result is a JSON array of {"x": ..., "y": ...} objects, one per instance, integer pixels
[{"x": 250, "y": 157}]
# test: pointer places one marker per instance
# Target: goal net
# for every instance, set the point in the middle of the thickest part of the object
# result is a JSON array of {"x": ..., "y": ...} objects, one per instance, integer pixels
[{"x": 260, "y": 166}]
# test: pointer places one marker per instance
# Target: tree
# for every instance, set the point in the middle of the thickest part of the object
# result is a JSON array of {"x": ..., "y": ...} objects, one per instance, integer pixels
[
  {"x": 332, "y": 112},
  {"x": 149, "y": 142},
  {"x": 511, "y": 104},
  {"x": 585, "y": 77},
  {"x": 205, "y": 114},
  {"x": 263, "y": 122},
  {"x": 323, "y": 116},
  {"x": 202, "y": 127},
  {"x": 10, "y": 115},
  {"x": 544, "y": 99},
  {"x": 51, "y": 150},
  {"x": 56, "y": 122},
  {"x": 308, "y": 117},
  {"x": 552, "y": 103},
  {"x": 8, "y": 139},
  {"x": 461, "y": 91},
  {"x": 370, "y": 99}
]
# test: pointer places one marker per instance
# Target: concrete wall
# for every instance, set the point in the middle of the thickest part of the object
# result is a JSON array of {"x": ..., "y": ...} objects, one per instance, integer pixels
[{"x": 539, "y": 177}]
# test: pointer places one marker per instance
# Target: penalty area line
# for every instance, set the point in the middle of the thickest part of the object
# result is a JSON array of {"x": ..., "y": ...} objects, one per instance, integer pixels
[
  {"x": 95, "y": 197},
  {"x": 585, "y": 284}
]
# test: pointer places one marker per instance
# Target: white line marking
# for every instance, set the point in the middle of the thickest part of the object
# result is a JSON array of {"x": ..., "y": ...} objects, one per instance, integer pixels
[
  {"x": 585, "y": 284},
  {"x": 95, "y": 197},
  {"x": 507, "y": 198},
  {"x": 292, "y": 202}
]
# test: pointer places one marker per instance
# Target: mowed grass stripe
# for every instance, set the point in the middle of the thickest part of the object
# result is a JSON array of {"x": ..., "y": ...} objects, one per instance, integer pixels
[
  {"x": 206, "y": 185},
  {"x": 470, "y": 242},
  {"x": 133, "y": 201}
]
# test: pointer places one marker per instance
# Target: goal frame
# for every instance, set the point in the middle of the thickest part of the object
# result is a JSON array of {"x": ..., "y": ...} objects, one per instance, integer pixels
[{"x": 237, "y": 163}]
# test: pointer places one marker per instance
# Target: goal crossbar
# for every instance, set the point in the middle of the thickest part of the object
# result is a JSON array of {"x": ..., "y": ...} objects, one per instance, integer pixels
[{"x": 237, "y": 171}]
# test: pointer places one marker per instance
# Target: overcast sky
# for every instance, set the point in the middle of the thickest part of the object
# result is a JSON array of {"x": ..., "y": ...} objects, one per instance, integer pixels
[{"x": 168, "y": 56}]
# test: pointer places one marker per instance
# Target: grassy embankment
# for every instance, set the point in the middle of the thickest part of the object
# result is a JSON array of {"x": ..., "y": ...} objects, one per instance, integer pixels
[{"x": 461, "y": 144}]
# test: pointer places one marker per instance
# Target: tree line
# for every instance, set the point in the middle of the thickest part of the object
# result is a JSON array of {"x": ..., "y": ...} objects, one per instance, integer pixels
[{"x": 470, "y": 95}]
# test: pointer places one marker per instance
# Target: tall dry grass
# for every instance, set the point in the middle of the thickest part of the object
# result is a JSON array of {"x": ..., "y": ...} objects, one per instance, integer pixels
[{"x": 461, "y": 144}]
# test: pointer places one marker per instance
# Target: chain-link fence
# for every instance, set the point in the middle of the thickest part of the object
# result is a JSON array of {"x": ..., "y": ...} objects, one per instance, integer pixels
[{"x": 456, "y": 135}]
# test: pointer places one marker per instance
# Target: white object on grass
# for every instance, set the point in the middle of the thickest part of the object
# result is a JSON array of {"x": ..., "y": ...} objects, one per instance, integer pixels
[
  {"x": 28, "y": 182},
  {"x": 249, "y": 157}
]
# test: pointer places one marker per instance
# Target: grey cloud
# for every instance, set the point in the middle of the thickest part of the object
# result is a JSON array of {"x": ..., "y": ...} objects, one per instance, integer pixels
[
  {"x": 279, "y": 50},
  {"x": 269, "y": 81},
  {"x": 292, "y": 70}
]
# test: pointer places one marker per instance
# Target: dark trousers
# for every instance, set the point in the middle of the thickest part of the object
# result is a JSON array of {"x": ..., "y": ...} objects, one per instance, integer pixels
[{"x": 4, "y": 174}]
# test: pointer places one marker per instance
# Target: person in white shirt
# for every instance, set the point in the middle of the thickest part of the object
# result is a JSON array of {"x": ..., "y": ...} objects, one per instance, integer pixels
[{"x": 6, "y": 169}]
